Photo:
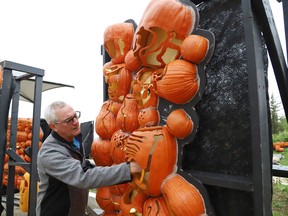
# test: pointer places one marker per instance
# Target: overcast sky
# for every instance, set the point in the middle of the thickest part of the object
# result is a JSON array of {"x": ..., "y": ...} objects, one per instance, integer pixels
[{"x": 63, "y": 37}]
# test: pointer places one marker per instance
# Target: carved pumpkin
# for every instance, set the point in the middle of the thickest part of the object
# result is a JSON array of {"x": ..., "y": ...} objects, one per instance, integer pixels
[
  {"x": 105, "y": 122},
  {"x": 179, "y": 123},
  {"x": 118, "y": 145},
  {"x": 132, "y": 201},
  {"x": 100, "y": 151},
  {"x": 182, "y": 198},
  {"x": 108, "y": 66},
  {"x": 144, "y": 88},
  {"x": 157, "y": 40},
  {"x": 103, "y": 199},
  {"x": 114, "y": 107},
  {"x": 127, "y": 117},
  {"x": 119, "y": 80},
  {"x": 179, "y": 82},
  {"x": 149, "y": 117},
  {"x": 118, "y": 41},
  {"x": 119, "y": 189},
  {"x": 116, "y": 202},
  {"x": 155, "y": 206},
  {"x": 155, "y": 150},
  {"x": 132, "y": 63}
]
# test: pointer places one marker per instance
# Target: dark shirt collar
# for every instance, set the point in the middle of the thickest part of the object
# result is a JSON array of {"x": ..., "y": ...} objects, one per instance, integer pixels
[{"x": 61, "y": 139}]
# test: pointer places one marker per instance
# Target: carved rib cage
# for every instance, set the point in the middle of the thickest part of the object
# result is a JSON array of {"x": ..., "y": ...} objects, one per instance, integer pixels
[{"x": 155, "y": 149}]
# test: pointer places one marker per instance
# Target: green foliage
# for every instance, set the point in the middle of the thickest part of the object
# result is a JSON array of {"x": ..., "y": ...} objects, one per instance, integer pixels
[
  {"x": 274, "y": 108},
  {"x": 280, "y": 199},
  {"x": 283, "y": 125},
  {"x": 281, "y": 136}
]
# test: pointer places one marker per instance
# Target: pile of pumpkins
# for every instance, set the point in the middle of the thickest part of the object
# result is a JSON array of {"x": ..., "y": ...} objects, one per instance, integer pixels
[
  {"x": 23, "y": 141},
  {"x": 279, "y": 146}
]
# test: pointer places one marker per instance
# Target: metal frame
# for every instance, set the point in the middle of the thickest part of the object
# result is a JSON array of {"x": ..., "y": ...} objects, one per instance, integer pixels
[
  {"x": 10, "y": 92},
  {"x": 266, "y": 22}
]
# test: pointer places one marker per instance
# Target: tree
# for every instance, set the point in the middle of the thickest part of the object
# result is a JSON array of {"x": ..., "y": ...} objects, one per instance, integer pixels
[{"x": 274, "y": 108}]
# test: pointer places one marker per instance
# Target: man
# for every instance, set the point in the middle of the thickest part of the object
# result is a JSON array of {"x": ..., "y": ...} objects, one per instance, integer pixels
[{"x": 65, "y": 176}]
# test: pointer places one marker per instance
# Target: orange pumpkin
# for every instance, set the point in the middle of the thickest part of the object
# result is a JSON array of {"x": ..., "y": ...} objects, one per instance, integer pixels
[
  {"x": 179, "y": 123},
  {"x": 22, "y": 136},
  {"x": 132, "y": 63},
  {"x": 127, "y": 117},
  {"x": 149, "y": 117},
  {"x": 144, "y": 88},
  {"x": 194, "y": 48},
  {"x": 155, "y": 150},
  {"x": 132, "y": 201},
  {"x": 114, "y": 107},
  {"x": 118, "y": 145},
  {"x": 118, "y": 79},
  {"x": 155, "y": 206},
  {"x": 119, "y": 189},
  {"x": 157, "y": 40},
  {"x": 118, "y": 41},
  {"x": 100, "y": 151},
  {"x": 182, "y": 198},
  {"x": 179, "y": 82},
  {"x": 105, "y": 122},
  {"x": 104, "y": 199}
]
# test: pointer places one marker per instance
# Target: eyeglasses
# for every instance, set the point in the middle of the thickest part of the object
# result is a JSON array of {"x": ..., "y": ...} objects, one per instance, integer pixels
[{"x": 70, "y": 120}]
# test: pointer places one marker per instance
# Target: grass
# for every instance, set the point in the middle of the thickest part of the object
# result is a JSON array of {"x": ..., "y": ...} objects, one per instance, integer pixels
[
  {"x": 280, "y": 199},
  {"x": 280, "y": 190},
  {"x": 284, "y": 159}
]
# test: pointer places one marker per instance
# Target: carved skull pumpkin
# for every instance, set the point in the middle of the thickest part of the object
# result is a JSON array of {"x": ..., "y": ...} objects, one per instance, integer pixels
[
  {"x": 118, "y": 79},
  {"x": 157, "y": 39}
]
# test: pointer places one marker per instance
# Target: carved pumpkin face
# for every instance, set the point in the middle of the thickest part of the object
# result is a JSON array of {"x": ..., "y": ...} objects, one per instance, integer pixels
[
  {"x": 157, "y": 40},
  {"x": 144, "y": 88},
  {"x": 118, "y": 80}
]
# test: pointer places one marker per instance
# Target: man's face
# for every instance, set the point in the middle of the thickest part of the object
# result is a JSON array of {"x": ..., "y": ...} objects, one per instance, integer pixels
[{"x": 67, "y": 125}]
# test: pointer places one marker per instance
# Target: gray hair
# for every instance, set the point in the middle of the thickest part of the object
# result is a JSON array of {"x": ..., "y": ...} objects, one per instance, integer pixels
[{"x": 49, "y": 112}]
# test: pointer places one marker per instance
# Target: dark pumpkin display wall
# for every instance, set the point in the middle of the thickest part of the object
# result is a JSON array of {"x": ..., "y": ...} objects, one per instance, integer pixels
[{"x": 223, "y": 142}]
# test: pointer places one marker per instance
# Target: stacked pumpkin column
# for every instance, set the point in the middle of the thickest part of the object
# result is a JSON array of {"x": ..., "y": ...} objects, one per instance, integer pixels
[
  {"x": 158, "y": 62},
  {"x": 109, "y": 148},
  {"x": 23, "y": 141}
]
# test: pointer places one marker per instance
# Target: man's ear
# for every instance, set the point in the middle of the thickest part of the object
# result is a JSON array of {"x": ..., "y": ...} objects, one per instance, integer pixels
[{"x": 52, "y": 126}]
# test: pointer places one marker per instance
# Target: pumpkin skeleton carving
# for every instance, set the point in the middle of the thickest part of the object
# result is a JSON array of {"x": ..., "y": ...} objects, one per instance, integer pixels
[{"x": 157, "y": 69}]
